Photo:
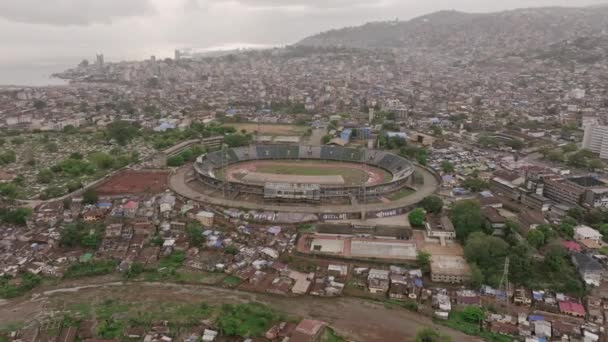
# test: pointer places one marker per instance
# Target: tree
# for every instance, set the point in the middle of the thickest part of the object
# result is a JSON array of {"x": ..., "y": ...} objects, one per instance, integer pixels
[
  {"x": 536, "y": 238},
  {"x": 475, "y": 184},
  {"x": 477, "y": 278},
  {"x": 424, "y": 261},
  {"x": 595, "y": 165},
  {"x": 45, "y": 176},
  {"x": 566, "y": 228},
  {"x": 326, "y": 139},
  {"x": 237, "y": 140},
  {"x": 102, "y": 160},
  {"x": 90, "y": 197},
  {"x": 52, "y": 148},
  {"x": 194, "y": 232},
  {"x": 417, "y": 217},
  {"x": 447, "y": 166},
  {"x": 122, "y": 132},
  {"x": 577, "y": 160},
  {"x": 488, "y": 253},
  {"x": 576, "y": 213},
  {"x": 515, "y": 144},
  {"x": 569, "y": 148},
  {"x": 9, "y": 190},
  {"x": 431, "y": 335},
  {"x": 175, "y": 161},
  {"x": 556, "y": 257},
  {"x": 473, "y": 314},
  {"x": 16, "y": 216},
  {"x": 467, "y": 218},
  {"x": 39, "y": 104},
  {"x": 8, "y": 157},
  {"x": 432, "y": 204}
]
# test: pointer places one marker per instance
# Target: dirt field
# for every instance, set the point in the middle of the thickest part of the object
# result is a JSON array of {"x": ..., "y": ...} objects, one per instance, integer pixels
[
  {"x": 133, "y": 182},
  {"x": 266, "y": 129},
  {"x": 352, "y": 174},
  {"x": 357, "y": 319}
]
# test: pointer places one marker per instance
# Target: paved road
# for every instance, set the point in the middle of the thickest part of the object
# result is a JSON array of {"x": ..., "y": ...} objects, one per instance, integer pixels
[
  {"x": 177, "y": 183},
  {"x": 357, "y": 319}
]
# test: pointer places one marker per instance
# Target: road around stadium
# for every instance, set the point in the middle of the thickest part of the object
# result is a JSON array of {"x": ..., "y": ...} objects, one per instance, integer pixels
[{"x": 184, "y": 182}]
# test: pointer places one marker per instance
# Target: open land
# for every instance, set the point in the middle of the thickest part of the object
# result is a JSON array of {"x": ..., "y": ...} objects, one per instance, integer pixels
[
  {"x": 134, "y": 182},
  {"x": 357, "y": 319}
]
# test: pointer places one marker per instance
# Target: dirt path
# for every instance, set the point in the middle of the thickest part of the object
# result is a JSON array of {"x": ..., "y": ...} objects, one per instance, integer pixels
[{"x": 358, "y": 319}]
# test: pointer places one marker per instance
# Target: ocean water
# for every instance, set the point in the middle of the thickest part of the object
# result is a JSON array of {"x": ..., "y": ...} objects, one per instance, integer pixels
[{"x": 32, "y": 75}]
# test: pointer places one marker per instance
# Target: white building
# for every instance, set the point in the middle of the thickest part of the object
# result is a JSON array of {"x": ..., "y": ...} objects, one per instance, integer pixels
[
  {"x": 583, "y": 232},
  {"x": 596, "y": 139}
]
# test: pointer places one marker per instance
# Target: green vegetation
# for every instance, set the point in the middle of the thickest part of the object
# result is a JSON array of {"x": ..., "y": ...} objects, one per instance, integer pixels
[
  {"x": 8, "y": 157},
  {"x": 391, "y": 143},
  {"x": 475, "y": 184},
  {"x": 90, "y": 197},
  {"x": 417, "y": 217},
  {"x": 329, "y": 335},
  {"x": 231, "y": 281},
  {"x": 26, "y": 282},
  {"x": 90, "y": 269},
  {"x": 186, "y": 156},
  {"x": 432, "y": 204},
  {"x": 84, "y": 235},
  {"x": 194, "y": 232},
  {"x": 247, "y": 320},
  {"x": 423, "y": 259},
  {"x": 419, "y": 154},
  {"x": 237, "y": 140},
  {"x": 466, "y": 217},
  {"x": 487, "y": 254},
  {"x": 447, "y": 166},
  {"x": 15, "y": 216},
  {"x": 123, "y": 132},
  {"x": 431, "y": 335}
]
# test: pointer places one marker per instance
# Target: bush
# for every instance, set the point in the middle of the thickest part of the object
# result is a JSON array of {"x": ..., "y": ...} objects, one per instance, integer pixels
[
  {"x": 417, "y": 217},
  {"x": 246, "y": 320},
  {"x": 28, "y": 282},
  {"x": 432, "y": 204},
  {"x": 16, "y": 216},
  {"x": 90, "y": 269}
]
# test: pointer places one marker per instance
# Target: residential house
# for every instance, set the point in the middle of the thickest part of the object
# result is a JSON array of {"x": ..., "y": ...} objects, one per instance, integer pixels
[
  {"x": 495, "y": 220},
  {"x": 378, "y": 281},
  {"x": 590, "y": 269}
]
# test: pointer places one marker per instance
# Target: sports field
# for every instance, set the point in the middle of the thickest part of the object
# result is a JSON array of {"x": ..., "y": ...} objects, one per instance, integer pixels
[{"x": 305, "y": 171}]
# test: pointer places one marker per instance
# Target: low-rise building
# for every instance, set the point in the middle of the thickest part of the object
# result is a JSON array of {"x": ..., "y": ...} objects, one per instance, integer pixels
[{"x": 449, "y": 269}]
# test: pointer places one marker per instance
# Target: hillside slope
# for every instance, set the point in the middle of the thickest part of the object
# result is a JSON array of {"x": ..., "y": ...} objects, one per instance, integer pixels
[{"x": 478, "y": 34}]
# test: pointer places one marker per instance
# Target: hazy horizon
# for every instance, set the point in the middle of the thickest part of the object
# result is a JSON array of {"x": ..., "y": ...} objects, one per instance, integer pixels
[{"x": 62, "y": 32}]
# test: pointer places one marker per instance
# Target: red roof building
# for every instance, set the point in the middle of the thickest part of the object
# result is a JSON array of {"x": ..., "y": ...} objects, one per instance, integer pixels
[
  {"x": 572, "y": 309},
  {"x": 572, "y": 246}
]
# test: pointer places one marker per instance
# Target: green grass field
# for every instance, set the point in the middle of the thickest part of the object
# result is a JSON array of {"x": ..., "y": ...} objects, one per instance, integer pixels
[{"x": 351, "y": 176}]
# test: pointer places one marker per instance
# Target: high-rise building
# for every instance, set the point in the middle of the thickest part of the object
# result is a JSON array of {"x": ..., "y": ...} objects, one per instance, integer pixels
[
  {"x": 596, "y": 139},
  {"x": 178, "y": 55},
  {"x": 99, "y": 60}
]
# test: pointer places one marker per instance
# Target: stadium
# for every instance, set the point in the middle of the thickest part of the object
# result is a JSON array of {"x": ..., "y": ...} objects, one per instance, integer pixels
[
  {"x": 305, "y": 174},
  {"x": 302, "y": 182}
]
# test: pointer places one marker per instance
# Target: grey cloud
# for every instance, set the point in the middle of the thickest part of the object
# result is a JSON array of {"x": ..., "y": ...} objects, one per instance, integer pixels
[
  {"x": 319, "y": 4},
  {"x": 72, "y": 12}
]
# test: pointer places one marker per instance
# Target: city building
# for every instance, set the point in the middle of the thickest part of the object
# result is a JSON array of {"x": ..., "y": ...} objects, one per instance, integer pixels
[
  {"x": 596, "y": 139},
  {"x": 449, "y": 269}
]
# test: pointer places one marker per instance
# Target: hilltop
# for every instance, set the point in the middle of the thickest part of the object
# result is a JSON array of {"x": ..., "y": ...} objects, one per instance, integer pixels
[{"x": 478, "y": 34}]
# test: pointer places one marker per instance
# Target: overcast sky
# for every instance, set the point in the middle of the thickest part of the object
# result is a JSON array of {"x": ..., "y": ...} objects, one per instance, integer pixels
[{"x": 45, "y": 30}]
